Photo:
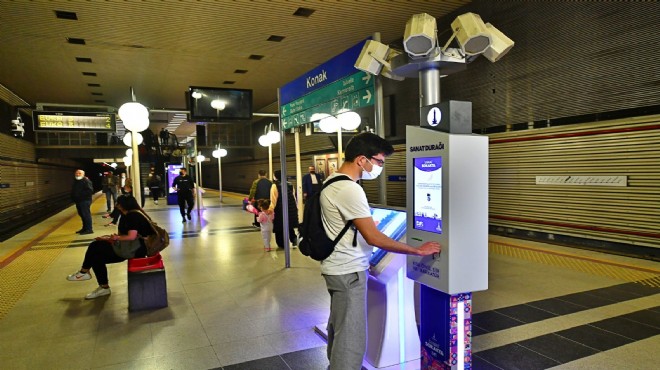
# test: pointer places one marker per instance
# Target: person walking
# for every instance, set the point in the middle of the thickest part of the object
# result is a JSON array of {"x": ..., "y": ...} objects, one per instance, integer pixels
[
  {"x": 81, "y": 195},
  {"x": 260, "y": 189},
  {"x": 185, "y": 191},
  {"x": 265, "y": 219},
  {"x": 109, "y": 184},
  {"x": 154, "y": 186},
  {"x": 345, "y": 270},
  {"x": 277, "y": 206},
  {"x": 311, "y": 183}
]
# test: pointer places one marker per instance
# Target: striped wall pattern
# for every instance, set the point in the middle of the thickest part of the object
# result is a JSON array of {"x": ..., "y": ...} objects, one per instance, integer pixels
[{"x": 626, "y": 147}]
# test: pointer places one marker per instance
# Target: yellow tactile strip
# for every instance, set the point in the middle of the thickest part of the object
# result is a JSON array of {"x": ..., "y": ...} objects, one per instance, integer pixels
[{"x": 592, "y": 266}]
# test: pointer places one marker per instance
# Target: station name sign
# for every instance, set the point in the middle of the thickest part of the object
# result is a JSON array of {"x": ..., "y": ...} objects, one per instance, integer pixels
[{"x": 74, "y": 121}]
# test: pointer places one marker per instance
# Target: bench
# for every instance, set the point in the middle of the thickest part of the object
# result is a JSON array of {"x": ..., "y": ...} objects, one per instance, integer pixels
[{"x": 147, "y": 288}]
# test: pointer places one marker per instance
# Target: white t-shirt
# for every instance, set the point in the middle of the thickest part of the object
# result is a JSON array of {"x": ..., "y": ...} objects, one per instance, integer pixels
[{"x": 341, "y": 202}]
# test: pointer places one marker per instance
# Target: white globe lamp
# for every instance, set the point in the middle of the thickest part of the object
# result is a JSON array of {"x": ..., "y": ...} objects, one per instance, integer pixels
[
  {"x": 273, "y": 137},
  {"x": 329, "y": 124},
  {"x": 127, "y": 138},
  {"x": 349, "y": 120}
]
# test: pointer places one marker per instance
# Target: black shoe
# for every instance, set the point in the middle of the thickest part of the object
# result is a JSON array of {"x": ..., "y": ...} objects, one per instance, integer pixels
[
  {"x": 190, "y": 218},
  {"x": 184, "y": 220},
  {"x": 79, "y": 231},
  {"x": 255, "y": 224},
  {"x": 85, "y": 232}
]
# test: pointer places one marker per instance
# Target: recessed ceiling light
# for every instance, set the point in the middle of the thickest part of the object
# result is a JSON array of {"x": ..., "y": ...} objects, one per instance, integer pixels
[
  {"x": 94, "y": 85},
  {"x": 73, "y": 40},
  {"x": 256, "y": 57},
  {"x": 229, "y": 82},
  {"x": 99, "y": 101},
  {"x": 66, "y": 15},
  {"x": 89, "y": 73},
  {"x": 275, "y": 38},
  {"x": 303, "y": 12},
  {"x": 83, "y": 60},
  {"x": 241, "y": 71},
  {"x": 97, "y": 93}
]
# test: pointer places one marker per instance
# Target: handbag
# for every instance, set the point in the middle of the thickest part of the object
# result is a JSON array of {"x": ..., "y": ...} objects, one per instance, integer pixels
[
  {"x": 157, "y": 241},
  {"x": 126, "y": 248}
]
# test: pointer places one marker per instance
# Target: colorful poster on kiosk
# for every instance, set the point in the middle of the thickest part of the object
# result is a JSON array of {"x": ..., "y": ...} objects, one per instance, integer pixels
[{"x": 427, "y": 203}]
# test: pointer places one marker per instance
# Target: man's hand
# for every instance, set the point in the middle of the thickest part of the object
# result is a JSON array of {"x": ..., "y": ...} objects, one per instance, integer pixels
[{"x": 429, "y": 248}]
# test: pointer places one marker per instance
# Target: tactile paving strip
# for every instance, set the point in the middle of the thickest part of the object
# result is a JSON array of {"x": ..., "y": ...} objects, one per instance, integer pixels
[{"x": 574, "y": 262}]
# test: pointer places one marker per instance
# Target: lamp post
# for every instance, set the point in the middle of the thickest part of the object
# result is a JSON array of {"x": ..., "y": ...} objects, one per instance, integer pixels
[
  {"x": 219, "y": 153},
  {"x": 269, "y": 138},
  {"x": 136, "y": 119}
]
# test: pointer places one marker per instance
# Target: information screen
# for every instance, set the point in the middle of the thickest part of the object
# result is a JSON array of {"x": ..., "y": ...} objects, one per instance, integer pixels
[
  {"x": 74, "y": 121},
  {"x": 427, "y": 197},
  {"x": 390, "y": 222},
  {"x": 172, "y": 172}
]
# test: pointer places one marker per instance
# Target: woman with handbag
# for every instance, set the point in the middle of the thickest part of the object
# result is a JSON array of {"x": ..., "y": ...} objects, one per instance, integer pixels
[{"x": 116, "y": 247}]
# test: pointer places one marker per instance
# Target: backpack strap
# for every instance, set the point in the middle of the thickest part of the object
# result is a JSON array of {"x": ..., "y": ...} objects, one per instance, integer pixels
[
  {"x": 151, "y": 223},
  {"x": 350, "y": 222}
]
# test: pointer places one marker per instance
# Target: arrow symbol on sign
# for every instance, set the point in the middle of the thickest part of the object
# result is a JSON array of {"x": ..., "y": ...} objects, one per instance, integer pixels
[
  {"x": 366, "y": 78},
  {"x": 367, "y": 96}
]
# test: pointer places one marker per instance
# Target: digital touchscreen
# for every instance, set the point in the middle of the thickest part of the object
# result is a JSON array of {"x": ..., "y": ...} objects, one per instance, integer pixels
[
  {"x": 427, "y": 197},
  {"x": 390, "y": 222}
]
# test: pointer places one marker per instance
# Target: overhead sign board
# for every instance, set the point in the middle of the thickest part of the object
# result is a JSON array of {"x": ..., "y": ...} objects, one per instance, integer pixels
[{"x": 74, "y": 121}]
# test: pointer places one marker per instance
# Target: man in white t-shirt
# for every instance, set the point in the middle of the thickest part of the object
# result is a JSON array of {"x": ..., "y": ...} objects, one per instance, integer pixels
[{"x": 345, "y": 271}]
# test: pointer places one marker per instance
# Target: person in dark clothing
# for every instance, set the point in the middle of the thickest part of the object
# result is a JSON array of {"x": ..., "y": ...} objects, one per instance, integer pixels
[
  {"x": 260, "y": 189},
  {"x": 164, "y": 136},
  {"x": 81, "y": 195},
  {"x": 154, "y": 186},
  {"x": 184, "y": 186},
  {"x": 276, "y": 205},
  {"x": 126, "y": 191},
  {"x": 109, "y": 183},
  {"x": 311, "y": 183},
  {"x": 134, "y": 225}
]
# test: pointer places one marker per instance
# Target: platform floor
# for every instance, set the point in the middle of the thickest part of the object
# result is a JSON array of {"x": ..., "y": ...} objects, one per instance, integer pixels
[{"x": 234, "y": 306}]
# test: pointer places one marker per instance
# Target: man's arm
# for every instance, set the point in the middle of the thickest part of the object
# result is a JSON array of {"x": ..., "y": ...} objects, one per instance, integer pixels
[
  {"x": 273, "y": 196},
  {"x": 253, "y": 190},
  {"x": 374, "y": 237}
]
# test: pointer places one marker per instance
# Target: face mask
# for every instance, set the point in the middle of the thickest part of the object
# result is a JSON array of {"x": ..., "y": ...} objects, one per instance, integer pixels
[
  {"x": 79, "y": 177},
  {"x": 375, "y": 171}
]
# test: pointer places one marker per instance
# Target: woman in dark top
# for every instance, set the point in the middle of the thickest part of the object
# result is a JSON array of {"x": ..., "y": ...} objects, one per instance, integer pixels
[
  {"x": 133, "y": 225},
  {"x": 276, "y": 205}
]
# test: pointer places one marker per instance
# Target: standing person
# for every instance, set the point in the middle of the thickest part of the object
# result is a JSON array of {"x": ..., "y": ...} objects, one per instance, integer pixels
[
  {"x": 81, "y": 195},
  {"x": 184, "y": 186},
  {"x": 276, "y": 205},
  {"x": 344, "y": 270},
  {"x": 265, "y": 218},
  {"x": 260, "y": 189},
  {"x": 311, "y": 183},
  {"x": 133, "y": 226},
  {"x": 164, "y": 136},
  {"x": 154, "y": 186},
  {"x": 109, "y": 184}
]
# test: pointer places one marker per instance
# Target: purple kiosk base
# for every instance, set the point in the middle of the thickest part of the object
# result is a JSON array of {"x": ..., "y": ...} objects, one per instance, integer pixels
[{"x": 446, "y": 330}]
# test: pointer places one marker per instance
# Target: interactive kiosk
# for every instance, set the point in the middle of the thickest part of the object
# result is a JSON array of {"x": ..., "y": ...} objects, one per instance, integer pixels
[
  {"x": 171, "y": 172},
  {"x": 447, "y": 188}
]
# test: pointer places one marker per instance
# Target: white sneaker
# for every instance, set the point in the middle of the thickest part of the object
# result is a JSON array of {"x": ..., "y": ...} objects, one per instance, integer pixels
[
  {"x": 155, "y": 201},
  {"x": 79, "y": 276},
  {"x": 98, "y": 292}
]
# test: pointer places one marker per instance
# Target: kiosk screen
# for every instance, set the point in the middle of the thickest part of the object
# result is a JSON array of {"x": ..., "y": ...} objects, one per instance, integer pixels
[
  {"x": 427, "y": 197},
  {"x": 390, "y": 222}
]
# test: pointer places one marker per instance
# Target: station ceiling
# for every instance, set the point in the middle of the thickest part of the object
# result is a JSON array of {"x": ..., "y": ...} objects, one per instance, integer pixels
[{"x": 93, "y": 52}]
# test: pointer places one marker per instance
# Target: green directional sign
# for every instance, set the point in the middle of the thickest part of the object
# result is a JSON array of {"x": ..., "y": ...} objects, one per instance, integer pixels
[{"x": 354, "y": 91}]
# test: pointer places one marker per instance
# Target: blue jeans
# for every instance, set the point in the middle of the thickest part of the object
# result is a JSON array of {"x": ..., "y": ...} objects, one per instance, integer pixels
[{"x": 85, "y": 214}]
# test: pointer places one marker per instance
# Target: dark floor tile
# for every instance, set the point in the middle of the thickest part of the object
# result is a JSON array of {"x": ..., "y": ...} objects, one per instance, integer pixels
[
  {"x": 309, "y": 359},
  {"x": 477, "y": 330},
  {"x": 627, "y": 328},
  {"x": 646, "y": 317},
  {"x": 586, "y": 300},
  {"x": 594, "y": 337},
  {"x": 268, "y": 363},
  {"x": 557, "y": 306},
  {"x": 515, "y": 357},
  {"x": 558, "y": 348},
  {"x": 493, "y": 321},
  {"x": 613, "y": 293},
  {"x": 525, "y": 313},
  {"x": 637, "y": 289},
  {"x": 479, "y": 363}
]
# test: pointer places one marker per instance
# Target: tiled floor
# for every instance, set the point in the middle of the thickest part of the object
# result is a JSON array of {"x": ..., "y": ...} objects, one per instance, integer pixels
[{"x": 233, "y": 306}]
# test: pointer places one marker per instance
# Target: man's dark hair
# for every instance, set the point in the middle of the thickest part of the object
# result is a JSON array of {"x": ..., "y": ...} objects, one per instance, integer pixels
[
  {"x": 128, "y": 203},
  {"x": 278, "y": 175},
  {"x": 262, "y": 172},
  {"x": 183, "y": 169},
  {"x": 368, "y": 145}
]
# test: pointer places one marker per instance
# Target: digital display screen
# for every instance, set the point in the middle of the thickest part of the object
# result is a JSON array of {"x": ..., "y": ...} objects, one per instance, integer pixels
[
  {"x": 215, "y": 104},
  {"x": 172, "y": 173},
  {"x": 74, "y": 121},
  {"x": 427, "y": 197},
  {"x": 390, "y": 222}
]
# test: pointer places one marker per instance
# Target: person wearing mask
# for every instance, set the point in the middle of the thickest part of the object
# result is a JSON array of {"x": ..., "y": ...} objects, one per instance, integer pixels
[
  {"x": 345, "y": 270},
  {"x": 134, "y": 225},
  {"x": 260, "y": 189},
  {"x": 185, "y": 191},
  {"x": 277, "y": 206},
  {"x": 81, "y": 195},
  {"x": 311, "y": 183}
]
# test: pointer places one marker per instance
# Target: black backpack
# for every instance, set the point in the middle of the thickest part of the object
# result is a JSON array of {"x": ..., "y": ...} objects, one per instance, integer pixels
[{"x": 314, "y": 241}]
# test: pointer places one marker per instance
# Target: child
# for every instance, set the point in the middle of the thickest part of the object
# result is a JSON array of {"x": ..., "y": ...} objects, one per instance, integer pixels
[{"x": 265, "y": 220}]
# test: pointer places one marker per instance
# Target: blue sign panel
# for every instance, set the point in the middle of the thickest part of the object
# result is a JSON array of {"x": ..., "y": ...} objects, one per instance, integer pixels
[{"x": 334, "y": 69}]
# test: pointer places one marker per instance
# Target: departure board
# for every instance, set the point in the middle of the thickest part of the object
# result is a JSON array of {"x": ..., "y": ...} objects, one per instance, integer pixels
[{"x": 74, "y": 121}]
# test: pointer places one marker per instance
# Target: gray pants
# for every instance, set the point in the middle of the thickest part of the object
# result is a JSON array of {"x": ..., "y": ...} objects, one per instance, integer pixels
[{"x": 347, "y": 325}]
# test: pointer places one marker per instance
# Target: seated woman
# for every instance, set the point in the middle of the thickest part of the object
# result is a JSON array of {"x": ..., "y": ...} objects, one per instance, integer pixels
[
  {"x": 126, "y": 190},
  {"x": 114, "y": 248}
]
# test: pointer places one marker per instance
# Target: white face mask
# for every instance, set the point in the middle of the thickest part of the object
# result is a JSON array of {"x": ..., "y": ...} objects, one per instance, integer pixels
[
  {"x": 375, "y": 171},
  {"x": 78, "y": 177}
]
